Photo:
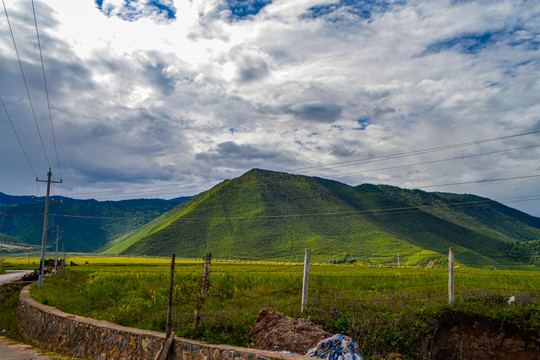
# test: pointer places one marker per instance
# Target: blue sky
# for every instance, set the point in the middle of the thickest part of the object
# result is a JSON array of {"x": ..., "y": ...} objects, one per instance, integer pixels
[{"x": 165, "y": 98}]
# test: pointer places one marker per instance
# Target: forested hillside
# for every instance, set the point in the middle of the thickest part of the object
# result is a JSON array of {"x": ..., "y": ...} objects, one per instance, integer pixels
[
  {"x": 271, "y": 215},
  {"x": 86, "y": 224}
]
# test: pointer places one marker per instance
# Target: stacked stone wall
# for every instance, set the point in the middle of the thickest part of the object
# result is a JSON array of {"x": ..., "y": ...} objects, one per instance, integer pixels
[{"x": 86, "y": 338}]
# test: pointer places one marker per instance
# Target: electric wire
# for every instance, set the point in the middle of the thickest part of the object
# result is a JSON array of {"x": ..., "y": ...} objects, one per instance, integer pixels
[
  {"x": 18, "y": 139},
  {"x": 46, "y": 90},
  {"x": 479, "y": 181},
  {"x": 25, "y": 84},
  {"x": 440, "y": 160},
  {"x": 410, "y": 153}
]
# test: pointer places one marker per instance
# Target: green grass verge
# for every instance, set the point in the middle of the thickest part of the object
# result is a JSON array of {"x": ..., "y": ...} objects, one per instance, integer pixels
[
  {"x": 8, "y": 317},
  {"x": 384, "y": 309}
]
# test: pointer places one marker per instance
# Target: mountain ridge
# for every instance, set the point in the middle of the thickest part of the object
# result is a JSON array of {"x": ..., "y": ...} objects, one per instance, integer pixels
[{"x": 268, "y": 214}]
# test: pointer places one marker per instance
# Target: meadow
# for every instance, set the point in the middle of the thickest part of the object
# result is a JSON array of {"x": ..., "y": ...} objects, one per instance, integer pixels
[{"x": 384, "y": 309}]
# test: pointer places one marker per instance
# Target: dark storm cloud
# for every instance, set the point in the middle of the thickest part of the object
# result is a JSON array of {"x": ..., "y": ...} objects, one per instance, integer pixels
[
  {"x": 342, "y": 151},
  {"x": 155, "y": 72},
  {"x": 315, "y": 111},
  {"x": 251, "y": 69},
  {"x": 230, "y": 151},
  {"x": 112, "y": 171}
]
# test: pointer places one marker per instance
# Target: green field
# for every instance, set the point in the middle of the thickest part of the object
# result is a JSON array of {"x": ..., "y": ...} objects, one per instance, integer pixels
[{"x": 384, "y": 309}]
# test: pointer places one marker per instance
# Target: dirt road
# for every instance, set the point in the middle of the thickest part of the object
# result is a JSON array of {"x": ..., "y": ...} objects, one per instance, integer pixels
[{"x": 12, "y": 275}]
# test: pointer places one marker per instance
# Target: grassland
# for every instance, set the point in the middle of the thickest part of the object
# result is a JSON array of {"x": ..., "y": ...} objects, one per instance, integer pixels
[{"x": 384, "y": 309}]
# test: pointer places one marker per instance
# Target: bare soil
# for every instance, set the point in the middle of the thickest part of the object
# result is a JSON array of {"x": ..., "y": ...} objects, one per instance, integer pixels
[
  {"x": 465, "y": 336},
  {"x": 277, "y": 332}
]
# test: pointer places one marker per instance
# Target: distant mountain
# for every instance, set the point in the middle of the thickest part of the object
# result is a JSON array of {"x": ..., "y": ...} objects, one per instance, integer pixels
[
  {"x": 272, "y": 215},
  {"x": 25, "y": 199},
  {"x": 87, "y": 225},
  {"x": 180, "y": 199}
]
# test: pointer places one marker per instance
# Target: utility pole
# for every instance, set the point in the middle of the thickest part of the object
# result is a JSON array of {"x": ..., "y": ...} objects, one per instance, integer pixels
[
  {"x": 398, "y": 260},
  {"x": 63, "y": 254},
  {"x": 169, "y": 307},
  {"x": 451, "y": 276},
  {"x": 45, "y": 223},
  {"x": 307, "y": 257},
  {"x": 56, "y": 251}
]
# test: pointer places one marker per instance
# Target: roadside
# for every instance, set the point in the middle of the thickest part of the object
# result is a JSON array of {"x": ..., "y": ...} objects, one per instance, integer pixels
[
  {"x": 12, "y": 350},
  {"x": 9, "y": 348}
]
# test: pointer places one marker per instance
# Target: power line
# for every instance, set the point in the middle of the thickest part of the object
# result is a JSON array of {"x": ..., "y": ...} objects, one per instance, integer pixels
[
  {"x": 17, "y": 136},
  {"x": 25, "y": 84},
  {"x": 442, "y": 160},
  {"x": 479, "y": 181},
  {"x": 410, "y": 153},
  {"x": 46, "y": 89}
]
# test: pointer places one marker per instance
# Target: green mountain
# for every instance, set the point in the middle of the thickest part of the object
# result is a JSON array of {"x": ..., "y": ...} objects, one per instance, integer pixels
[
  {"x": 271, "y": 215},
  {"x": 87, "y": 225}
]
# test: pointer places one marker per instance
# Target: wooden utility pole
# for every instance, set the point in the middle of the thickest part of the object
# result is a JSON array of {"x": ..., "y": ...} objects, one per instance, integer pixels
[
  {"x": 63, "y": 254},
  {"x": 45, "y": 223},
  {"x": 307, "y": 257},
  {"x": 451, "y": 276},
  {"x": 169, "y": 307},
  {"x": 56, "y": 251},
  {"x": 204, "y": 289}
]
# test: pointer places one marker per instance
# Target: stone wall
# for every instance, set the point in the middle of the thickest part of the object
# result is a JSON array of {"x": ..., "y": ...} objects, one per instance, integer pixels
[{"x": 86, "y": 338}]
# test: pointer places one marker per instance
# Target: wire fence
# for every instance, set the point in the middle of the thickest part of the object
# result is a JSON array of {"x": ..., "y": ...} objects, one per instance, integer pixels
[{"x": 354, "y": 284}]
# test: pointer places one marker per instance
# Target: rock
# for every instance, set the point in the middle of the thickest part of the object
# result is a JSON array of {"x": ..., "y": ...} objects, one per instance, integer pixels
[{"x": 277, "y": 332}]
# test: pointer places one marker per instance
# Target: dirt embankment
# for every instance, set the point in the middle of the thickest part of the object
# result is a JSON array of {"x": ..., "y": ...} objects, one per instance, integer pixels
[
  {"x": 457, "y": 336},
  {"x": 464, "y": 336}
]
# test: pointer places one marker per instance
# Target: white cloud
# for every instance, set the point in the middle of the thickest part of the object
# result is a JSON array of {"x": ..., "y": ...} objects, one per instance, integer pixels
[{"x": 138, "y": 100}]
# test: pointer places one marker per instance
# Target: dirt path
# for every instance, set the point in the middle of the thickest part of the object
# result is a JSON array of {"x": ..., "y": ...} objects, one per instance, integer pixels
[
  {"x": 12, "y": 275},
  {"x": 10, "y": 350}
]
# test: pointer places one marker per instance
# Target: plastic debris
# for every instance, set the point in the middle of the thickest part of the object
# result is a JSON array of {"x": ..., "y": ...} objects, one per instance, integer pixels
[{"x": 336, "y": 347}]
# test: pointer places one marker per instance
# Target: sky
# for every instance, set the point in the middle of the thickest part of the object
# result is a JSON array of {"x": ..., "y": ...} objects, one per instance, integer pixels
[{"x": 166, "y": 98}]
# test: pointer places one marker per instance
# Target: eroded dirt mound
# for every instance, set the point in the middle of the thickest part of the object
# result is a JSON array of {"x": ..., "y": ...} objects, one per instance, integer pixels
[
  {"x": 277, "y": 332},
  {"x": 464, "y": 336}
]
